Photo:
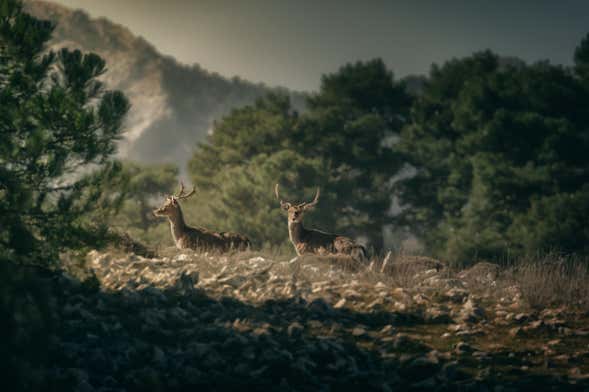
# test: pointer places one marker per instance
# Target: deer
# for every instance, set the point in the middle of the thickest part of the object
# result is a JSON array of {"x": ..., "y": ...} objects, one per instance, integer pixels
[
  {"x": 316, "y": 242},
  {"x": 187, "y": 237}
]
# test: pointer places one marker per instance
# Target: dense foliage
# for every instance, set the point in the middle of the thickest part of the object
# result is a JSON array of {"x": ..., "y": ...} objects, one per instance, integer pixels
[
  {"x": 58, "y": 126},
  {"x": 341, "y": 143},
  {"x": 142, "y": 188},
  {"x": 501, "y": 157},
  {"x": 498, "y": 147}
]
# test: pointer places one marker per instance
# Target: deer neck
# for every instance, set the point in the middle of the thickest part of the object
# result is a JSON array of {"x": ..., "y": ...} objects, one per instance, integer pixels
[
  {"x": 177, "y": 224},
  {"x": 295, "y": 232}
]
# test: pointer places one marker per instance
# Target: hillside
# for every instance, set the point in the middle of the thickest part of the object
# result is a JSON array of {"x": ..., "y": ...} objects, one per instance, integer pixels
[
  {"x": 173, "y": 105},
  {"x": 184, "y": 320}
]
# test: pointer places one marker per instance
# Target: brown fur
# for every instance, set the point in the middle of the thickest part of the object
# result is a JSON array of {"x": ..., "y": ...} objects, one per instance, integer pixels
[
  {"x": 308, "y": 241},
  {"x": 187, "y": 237}
]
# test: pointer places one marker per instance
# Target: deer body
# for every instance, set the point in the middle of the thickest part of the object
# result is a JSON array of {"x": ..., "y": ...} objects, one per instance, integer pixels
[
  {"x": 318, "y": 242},
  {"x": 187, "y": 237},
  {"x": 309, "y": 241}
]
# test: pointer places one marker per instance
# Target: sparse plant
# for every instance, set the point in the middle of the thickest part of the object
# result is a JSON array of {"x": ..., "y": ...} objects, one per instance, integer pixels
[{"x": 552, "y": 280}]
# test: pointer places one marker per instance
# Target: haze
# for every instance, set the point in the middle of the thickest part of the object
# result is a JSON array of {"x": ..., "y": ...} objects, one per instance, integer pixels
[{"x": 293, "y": 43}]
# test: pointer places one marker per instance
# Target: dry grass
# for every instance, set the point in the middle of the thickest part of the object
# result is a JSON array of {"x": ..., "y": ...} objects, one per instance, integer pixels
[
  {"x": 399, "y": 269},
  {"x": 545, "y": 281},
  {"x": 552, "y": 280}
]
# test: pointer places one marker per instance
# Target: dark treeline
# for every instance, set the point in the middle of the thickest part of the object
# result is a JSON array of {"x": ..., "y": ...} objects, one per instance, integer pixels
[{"x": 496, "y": 149}]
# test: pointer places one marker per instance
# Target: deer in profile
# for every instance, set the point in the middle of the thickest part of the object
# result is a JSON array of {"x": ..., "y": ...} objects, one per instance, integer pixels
[
  {"x": 309, "y": 241},
  {"x": 187, "y": 237}
]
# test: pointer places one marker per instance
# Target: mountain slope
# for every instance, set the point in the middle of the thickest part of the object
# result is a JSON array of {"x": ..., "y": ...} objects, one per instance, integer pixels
[{"x": 173, "y": 105}]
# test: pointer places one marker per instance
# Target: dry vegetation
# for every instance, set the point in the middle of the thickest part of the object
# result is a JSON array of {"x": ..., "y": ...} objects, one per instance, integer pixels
[
  {"x": 552, "y": 280},
  {"x": 266, "y": 321}
]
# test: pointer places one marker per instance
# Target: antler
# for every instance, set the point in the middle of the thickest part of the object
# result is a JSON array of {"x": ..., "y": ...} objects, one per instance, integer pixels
[
  {"x": 276, "y": 193},
  {"x": 283, "y": 204},
  {"x": 304, "y": 204},
  {"x": 181, "y": 195},
  {"x": 314, "y": 202}
]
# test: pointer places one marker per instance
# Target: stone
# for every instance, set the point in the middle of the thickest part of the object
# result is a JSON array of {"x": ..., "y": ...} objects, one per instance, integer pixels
[
  {"x": 146, "y": 330},
  {"x": 534, "y": 325},
  {"x": 481, "y": 273},
  {"x": 404, "y": 342},
  {"x": 263, "y": 329},
  {"x": 562, "y": 359},
  {"x": 438, "y": 316},
  {"x": 456, "y": 295},
  {"x": 463, "y": 348},
  {"x": 340, "y": 304},
  {"x": 521, "y": 317},
  {"x": 295, "y": 329},
  {"x": 319, "y": 305},
  {"x": 387, "y": 329},
  {"x": 378, "y": 302},
  {"x": 471, "y": 312},
  {"x": 182, "y": 257},
  {"x": 482, "y": 356}
]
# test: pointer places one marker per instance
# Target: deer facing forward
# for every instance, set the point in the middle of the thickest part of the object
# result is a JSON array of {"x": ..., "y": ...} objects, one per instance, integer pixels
[
  {"x": 308, "y": 241},
  {"x": 187, "y": 237}
]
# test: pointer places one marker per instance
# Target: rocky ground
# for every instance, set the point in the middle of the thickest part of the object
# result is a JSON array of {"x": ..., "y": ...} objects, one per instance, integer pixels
[{"x": 226, "y": 322}]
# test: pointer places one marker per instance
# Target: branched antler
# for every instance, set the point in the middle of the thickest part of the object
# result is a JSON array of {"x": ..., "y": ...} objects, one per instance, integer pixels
[
  {"x": 304, "y": 205},
  {"x": 181, "y": 195},
  {"x": 313, "y": 203}
]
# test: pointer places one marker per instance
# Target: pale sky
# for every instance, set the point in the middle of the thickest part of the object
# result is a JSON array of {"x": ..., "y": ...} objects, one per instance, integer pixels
[{"x": 292, "y": 43}]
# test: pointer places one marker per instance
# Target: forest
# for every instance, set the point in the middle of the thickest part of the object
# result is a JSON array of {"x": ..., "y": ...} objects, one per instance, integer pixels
[
  {"x": 483, "y": 160},
  {"x": 486, "y": 158}
]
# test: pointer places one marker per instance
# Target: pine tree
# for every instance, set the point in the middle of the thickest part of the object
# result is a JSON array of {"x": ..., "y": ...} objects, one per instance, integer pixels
[
  {"x": 58, "y": 126},
  {"x": 342, "y": 143}
]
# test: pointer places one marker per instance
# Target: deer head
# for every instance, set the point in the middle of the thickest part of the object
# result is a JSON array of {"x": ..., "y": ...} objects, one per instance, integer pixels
[
  {"x": 171, "y": 207},
  {"x": 296, "y": 211}
]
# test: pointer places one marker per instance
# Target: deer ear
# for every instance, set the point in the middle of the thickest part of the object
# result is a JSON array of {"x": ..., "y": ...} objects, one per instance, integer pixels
[{"x": 285, "y": 205}]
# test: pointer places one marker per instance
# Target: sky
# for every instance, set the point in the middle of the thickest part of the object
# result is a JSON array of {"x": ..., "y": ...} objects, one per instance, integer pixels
[{"x": 293, "y": 43}]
